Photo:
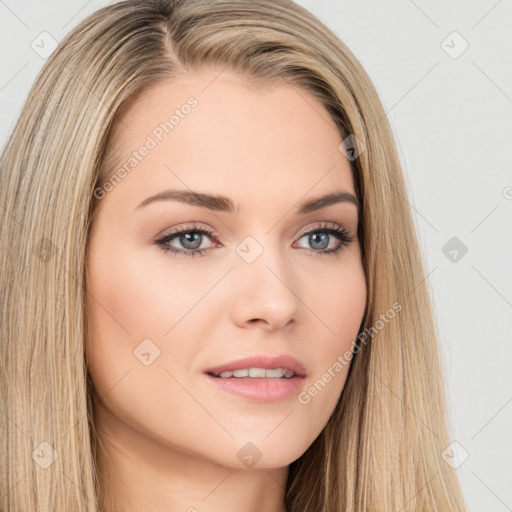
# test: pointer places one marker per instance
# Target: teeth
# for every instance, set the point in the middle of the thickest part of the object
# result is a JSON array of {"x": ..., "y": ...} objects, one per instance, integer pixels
[
  {"x": 258, "y": 372},
  {"x": 278, "y": 372}
]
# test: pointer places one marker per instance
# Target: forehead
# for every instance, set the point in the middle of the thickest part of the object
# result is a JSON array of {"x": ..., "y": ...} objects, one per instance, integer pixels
[{"x": 217, "y": 133}]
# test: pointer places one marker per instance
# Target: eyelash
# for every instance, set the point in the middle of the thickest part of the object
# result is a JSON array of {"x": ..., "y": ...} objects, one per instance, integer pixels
[{"x": 332, "y": 229}]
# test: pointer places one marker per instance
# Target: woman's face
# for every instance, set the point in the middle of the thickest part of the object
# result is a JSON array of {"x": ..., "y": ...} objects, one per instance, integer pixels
[{"x": 260, "y": 287}]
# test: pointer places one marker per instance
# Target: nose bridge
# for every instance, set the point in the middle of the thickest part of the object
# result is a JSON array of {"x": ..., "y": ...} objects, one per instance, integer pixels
[
  {"x": 259, "y": 252},
  {"x": 266, "y": 282}
]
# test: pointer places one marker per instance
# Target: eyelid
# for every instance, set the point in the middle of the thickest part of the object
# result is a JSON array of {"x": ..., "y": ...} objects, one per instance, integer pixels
[
  {"x": 184, "y": 228},
  {"x": 323, "y": 225},
  {"x": 196, "y": 226}
]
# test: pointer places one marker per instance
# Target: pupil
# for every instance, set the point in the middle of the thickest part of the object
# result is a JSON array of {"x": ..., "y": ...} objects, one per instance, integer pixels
[
  {"x": 323, "y": 243},
  {"x": 191, "y": 240}
]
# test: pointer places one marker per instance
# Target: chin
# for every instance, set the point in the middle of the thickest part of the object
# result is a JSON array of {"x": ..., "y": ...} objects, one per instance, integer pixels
[{"x": 270, "y": 453}]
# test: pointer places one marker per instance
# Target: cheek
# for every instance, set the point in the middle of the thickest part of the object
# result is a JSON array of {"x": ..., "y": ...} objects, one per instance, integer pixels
[
  {"x": 336, "y": 300},
  {"x": 339, "y": 310},
  {"x": 130, "y": 308},
  {"x": 135, "y": 297},
  {"x": 119, "y": 312},
  {"x": 140, "y": 310}
]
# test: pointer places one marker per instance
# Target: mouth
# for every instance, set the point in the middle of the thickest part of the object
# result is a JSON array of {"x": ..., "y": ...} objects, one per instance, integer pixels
[
  {"x": 255, "y": 373},
  {"x": 260, "y": 378}
]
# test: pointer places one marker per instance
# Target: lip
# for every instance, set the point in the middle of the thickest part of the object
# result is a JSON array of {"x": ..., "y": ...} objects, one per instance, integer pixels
[
  {"x": 285, "y": 362},
  {"x": 260, "y": 389}
]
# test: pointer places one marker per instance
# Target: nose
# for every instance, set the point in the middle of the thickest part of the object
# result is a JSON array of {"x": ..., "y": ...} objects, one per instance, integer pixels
[{"x": 266, "y": 294}]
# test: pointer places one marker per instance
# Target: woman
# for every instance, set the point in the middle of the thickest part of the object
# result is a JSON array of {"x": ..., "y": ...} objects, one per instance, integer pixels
[{"x": 213, "y": 295}]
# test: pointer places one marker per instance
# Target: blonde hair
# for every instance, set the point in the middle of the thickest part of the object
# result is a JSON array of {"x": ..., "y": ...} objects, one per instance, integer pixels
[{"x": 381, "y": 449}]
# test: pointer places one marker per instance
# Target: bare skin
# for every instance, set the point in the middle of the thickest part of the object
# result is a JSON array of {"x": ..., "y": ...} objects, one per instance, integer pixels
[{"x": 171, "y": 438}]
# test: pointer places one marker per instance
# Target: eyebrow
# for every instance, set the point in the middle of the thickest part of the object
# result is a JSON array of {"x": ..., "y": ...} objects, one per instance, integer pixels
[{"x": 225, "y": 204}]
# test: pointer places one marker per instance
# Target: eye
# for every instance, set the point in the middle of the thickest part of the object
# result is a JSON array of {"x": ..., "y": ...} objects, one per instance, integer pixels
[
  {"x": 191, "y": 239},
  {"x": 320, "y": 237}
]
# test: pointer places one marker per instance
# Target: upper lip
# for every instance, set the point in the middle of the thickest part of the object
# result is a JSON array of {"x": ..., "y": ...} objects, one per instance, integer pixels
[{"x": 285, "y": 362}]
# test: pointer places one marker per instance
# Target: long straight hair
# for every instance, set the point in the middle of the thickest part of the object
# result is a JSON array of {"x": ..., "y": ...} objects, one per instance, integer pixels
[{"x": 381, "y": 449}]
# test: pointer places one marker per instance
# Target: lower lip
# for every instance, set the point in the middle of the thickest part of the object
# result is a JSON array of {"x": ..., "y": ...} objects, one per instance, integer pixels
[{"x": 260, "y": 389}]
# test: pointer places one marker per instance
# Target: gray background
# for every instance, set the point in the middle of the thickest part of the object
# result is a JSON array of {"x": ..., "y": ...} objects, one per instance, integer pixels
[{"x": 451, "y": 113}]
